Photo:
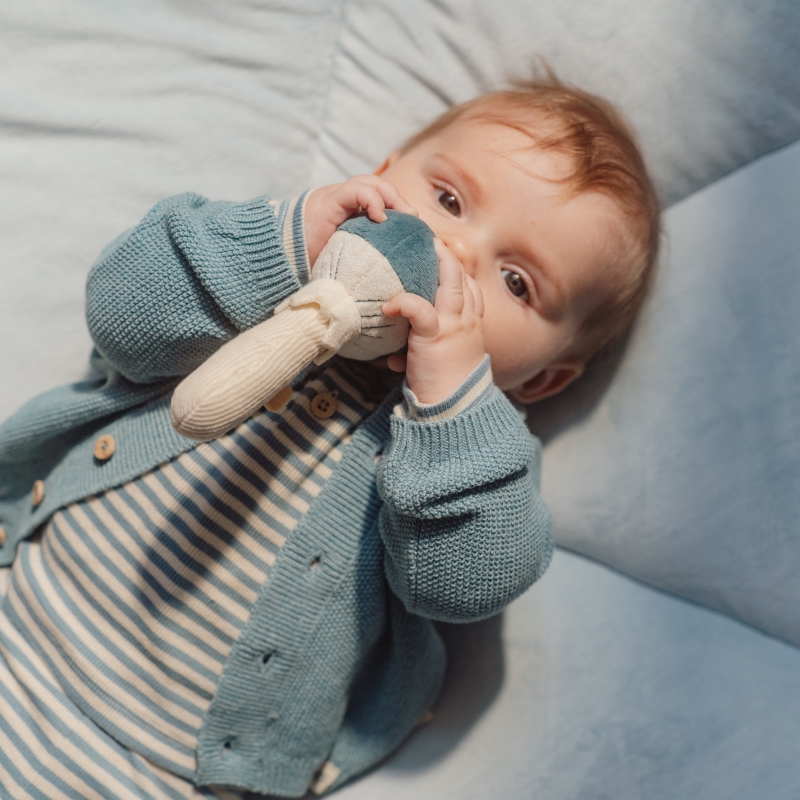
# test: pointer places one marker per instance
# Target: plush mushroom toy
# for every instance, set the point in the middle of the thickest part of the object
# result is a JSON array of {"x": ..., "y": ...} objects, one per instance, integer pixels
[{"x": 363, "y": 265}]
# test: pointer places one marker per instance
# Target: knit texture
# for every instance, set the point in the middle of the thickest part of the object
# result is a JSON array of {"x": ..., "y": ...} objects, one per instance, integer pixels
[
  {"x": 420, "y": 520},
  {"x": 155, "y": 579},
  {"x": 225, "y": 261}
]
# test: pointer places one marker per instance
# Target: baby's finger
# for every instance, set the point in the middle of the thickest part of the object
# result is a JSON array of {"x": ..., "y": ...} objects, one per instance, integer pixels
[
  {"x": 371, "y": 201},
  {"x": 450, "y": 294},
  {"x": 353, "y": 196},
  {"x": 477, "y": 295},
  {"x": 397, "y": 362},
  {"x": 417, "y": 310},
  {"x": 469, "y": 299},
  {"x": 391, "y": 197}
]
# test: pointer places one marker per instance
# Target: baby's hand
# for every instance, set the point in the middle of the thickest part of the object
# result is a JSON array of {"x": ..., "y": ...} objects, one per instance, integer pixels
[
  {"x": 445, "y": 343},
  {"x": 329, "y": 206}
]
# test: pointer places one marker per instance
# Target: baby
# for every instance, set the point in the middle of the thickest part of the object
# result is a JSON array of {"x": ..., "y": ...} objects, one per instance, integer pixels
[{"x": 255, "y": 612}]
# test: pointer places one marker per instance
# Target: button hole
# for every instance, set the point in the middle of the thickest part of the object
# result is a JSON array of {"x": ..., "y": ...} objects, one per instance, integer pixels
[
  {"x": 315, "y": 563},
  {"x": 227, "y": 746},
  {"x": 265, "y": 658}
]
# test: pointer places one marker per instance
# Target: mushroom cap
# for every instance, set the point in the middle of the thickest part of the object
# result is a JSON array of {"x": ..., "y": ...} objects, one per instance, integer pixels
[{"x": 407, "y": 243}]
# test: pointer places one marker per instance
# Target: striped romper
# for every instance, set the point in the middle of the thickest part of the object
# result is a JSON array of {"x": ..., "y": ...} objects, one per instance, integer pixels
[
  {"x": 131, "y": 601},
  {"x": 120, "y": 612}
]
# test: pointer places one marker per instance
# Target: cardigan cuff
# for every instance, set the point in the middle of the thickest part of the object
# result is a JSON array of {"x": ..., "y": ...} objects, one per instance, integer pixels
[
  {"x": 428, "y": 461},
  {"x": 475, "y": 391}
]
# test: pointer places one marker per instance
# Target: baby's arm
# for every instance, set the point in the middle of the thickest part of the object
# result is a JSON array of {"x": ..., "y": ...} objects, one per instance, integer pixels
[
  {"x": 167, "y": 294},
  {"x": 464, "y": 527},
  {"x": 463, "y": 524},
  {"x": 191, "y": 275}
]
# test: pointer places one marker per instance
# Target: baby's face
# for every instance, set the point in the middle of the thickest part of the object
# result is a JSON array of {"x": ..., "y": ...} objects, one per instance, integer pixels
[{"x": 541, "y": 258}]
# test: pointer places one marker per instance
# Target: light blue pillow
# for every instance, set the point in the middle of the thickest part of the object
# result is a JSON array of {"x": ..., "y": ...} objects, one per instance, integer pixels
[{"x": 686, "y": 472}]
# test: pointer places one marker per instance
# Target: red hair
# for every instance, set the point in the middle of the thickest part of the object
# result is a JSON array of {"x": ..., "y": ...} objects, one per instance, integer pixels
[{"x": 606, "y": 159}]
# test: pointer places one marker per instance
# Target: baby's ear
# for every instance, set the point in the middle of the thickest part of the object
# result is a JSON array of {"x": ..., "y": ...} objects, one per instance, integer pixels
[
  {"x": 388, "y": 163},
  {"x": 553, "y": 379}
]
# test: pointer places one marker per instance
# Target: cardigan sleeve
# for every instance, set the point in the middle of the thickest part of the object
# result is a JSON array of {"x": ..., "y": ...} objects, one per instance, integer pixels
[
  {"x": 464, "y": 528},
  {"x": 190, "y": 276}
]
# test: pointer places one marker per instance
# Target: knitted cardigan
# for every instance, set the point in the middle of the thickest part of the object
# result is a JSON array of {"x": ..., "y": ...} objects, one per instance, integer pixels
[{"x": 420, "y": 521}]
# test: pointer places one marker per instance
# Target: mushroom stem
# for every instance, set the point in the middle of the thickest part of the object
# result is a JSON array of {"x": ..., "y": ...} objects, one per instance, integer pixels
[{"x": 247, "y": 371}]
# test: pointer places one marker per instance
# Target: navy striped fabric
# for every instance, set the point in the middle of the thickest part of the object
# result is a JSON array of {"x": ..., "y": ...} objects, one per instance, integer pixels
[
  {"x": 133, "y": 599},
  {"x": 118, "y": 618}
]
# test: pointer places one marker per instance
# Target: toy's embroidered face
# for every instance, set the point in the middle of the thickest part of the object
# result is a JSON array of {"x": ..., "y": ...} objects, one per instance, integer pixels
[{"x": 541, "y": 256}]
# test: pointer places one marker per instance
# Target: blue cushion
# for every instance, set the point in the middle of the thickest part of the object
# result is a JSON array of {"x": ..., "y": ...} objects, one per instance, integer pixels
[
  {"x": 594, "y": 686},
  {"x": 686, "y": 473}
]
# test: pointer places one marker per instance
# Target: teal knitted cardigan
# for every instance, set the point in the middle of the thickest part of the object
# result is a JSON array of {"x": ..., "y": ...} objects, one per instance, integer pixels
[{"x": 421, "y": 521}]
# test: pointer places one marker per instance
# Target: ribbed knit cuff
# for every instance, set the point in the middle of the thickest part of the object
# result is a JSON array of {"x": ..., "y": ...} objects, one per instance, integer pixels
[
  {"x": 475, "y": 390},
  {"x": 237, "y": 252},
  {"x": 475, "y": 448},
  {"x": 291, "y": 221}
]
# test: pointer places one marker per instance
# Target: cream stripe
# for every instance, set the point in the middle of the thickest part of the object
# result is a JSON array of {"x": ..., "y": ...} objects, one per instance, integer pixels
[
  {"x": 51, "y": 761},
  {"x": 175, "y": 782},
  {"x": 288, "y": 235},
  {"x": 271, "y": 479},
  {"x": 44, "y": 684},
  {"x": 353, "y": 411},
  {"x": 137, "y": 579},
  {"x": 68, "y": 621},
  {"x": 196, "y": 581},
  {"x": 309, "y": 438},
  {"x": 143, "y": 643},
  {"x": 99, "y": 705},
  {"x": 176, "y": 506},
  {"x": 31, "y": 772},
  {"x": 7, "y": 782},
  {"x": 475, "y": 392},
  {"x": 187, "y": 788},
  {"x": 460, "y": 405},
  {"x": 275, "y": 458},
  {"x": 250, "y": 518},
  {"x": 268, "y": 480},
  {"x": 342, "y": 433},
  {"x": 207, "y": 509},
  {"x": 359, "y": 404}
]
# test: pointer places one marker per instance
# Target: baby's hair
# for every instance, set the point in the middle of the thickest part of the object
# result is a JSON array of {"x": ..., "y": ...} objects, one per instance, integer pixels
[{"x": 606, "y": 159}]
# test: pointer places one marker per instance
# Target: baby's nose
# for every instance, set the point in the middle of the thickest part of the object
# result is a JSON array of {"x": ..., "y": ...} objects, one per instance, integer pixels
[{"x": 462, "y": 251}]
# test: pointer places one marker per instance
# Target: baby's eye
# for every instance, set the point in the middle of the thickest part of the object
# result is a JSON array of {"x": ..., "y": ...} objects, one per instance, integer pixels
[
  {"x": 450, "y": 202},
  {"x": 516, "y": 284}
]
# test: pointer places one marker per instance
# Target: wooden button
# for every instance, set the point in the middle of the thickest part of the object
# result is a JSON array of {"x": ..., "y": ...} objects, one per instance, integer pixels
[
  {"x": 323, "y": 405},
  {"x": 2, "y": 535},
  {"x": 280, "y": 400},
  {"x": 104, "y": 447},
  {"x": 37, "y": 493}
]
